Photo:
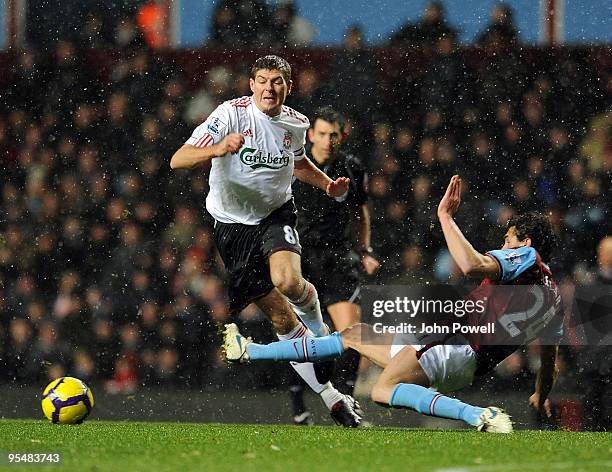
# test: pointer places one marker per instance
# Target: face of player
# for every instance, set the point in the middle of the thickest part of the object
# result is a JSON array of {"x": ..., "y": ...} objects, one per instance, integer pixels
[
  {"x": 511, "y": 240},
  {"x": 325, "y": 138},
  {"x": 270, "y": 90}
]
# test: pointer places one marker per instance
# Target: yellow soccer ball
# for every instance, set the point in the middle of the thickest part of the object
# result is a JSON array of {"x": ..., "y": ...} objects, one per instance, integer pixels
[{"x": 67, "y": 401}]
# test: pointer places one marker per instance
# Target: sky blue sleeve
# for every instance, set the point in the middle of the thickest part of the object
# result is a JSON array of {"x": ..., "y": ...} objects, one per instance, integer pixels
[{"x": 513, "y": 262}]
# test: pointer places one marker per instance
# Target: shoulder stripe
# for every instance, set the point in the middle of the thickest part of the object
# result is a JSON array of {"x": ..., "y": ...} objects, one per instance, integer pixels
[
  {"x": 204, "y": 141},
  {"x": 298, "y": 116},
  {"x": 241, "y": 102}
]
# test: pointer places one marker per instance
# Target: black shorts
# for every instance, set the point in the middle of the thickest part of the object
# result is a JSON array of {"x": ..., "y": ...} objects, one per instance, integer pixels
[
  {"x": 245, "y": 250},
  {"x": 335, "y": 274}
]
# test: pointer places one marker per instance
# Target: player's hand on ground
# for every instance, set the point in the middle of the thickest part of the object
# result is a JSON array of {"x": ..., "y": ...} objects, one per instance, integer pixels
[
  {"x": 546, "y": 408},
  {"x": 338, "y": 187},
  {"x": 230, "y": 144},
  {"x": 370, "y": 264},
  {"x": 452, "y": 198}
]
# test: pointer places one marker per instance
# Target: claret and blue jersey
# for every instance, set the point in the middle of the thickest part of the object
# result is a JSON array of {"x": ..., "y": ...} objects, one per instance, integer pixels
[{"x": 524, "y": 304}]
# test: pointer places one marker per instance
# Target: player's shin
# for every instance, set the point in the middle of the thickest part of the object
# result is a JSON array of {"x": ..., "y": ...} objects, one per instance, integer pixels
[
  {"x": 308, "y": 308},
  {"x": 306, "y": 370},
  {"x": 312, "y": 373},
  {"x": 328, "y": 393},
  {"x": 292, "y": 347},
  {"x": 430, "y": 402}
]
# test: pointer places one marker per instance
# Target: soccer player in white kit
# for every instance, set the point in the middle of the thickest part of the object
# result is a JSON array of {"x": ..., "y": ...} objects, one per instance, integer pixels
[{"x": 256, "y": 145}]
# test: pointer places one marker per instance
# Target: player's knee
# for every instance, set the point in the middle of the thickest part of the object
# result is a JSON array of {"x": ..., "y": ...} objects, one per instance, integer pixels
[
  {"x": 357, "y": 335},
  {"x": 351, "y": 336},
  {"x": 290, "y": 285}
]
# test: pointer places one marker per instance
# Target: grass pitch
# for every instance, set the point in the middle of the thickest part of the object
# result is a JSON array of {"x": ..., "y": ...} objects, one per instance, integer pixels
[{"x": 128, "y": 446}]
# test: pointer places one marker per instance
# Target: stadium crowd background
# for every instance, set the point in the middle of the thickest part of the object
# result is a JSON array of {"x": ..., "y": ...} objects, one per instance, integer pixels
[{"x": 107, "y": 266}]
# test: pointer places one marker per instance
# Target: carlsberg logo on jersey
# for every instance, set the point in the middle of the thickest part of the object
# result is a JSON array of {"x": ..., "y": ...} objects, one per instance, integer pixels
[{"x": 255, "y": 159}]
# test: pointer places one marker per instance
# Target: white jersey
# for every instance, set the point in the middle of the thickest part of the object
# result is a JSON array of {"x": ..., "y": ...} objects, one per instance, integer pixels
[{"x": 247, "y": 186}]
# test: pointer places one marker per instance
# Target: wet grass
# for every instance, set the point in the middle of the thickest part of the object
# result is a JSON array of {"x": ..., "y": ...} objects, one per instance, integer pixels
[{"x": 132, "y": 446}]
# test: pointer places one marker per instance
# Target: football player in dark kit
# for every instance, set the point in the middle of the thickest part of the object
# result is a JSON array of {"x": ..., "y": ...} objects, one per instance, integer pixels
[{"x": 335, "y": 238}]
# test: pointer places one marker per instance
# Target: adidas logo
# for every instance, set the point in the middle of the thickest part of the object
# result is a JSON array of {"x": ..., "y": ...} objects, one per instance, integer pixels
[{"x": 248, "y": 132}]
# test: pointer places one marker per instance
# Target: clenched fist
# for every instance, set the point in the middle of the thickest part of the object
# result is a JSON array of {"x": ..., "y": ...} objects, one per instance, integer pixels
[{"x": 230, "y": 144}]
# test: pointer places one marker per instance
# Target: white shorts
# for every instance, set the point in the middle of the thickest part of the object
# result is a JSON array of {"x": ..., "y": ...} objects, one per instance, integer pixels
[{"x": 449, "y": 367}]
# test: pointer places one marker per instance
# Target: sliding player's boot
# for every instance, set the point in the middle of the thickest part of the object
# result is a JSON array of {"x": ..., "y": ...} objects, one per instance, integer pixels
[{"x": 494, "y": 420}]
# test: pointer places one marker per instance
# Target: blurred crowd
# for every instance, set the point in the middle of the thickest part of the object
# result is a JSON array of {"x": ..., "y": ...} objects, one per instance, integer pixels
[
  {"x": 123, "y": 23},
  {"x": 107, "y": 265}
]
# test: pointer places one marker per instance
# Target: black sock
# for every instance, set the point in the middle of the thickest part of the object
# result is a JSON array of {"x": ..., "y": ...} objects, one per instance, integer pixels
[
  {"x": 325, "y": 370},
  {"x": 346, "y": 371},
  {"x": 296, "y": 390}
]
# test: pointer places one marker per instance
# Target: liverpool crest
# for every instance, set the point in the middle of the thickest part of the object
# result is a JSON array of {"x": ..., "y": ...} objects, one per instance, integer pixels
[{"x": 287, "y": 140}]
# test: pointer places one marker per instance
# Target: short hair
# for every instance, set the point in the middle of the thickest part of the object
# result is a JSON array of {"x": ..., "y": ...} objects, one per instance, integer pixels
[
  {"x": 272, "y": 62},
  {"x": 329, "y": 115},
  {"x": 537, "y": 227}
]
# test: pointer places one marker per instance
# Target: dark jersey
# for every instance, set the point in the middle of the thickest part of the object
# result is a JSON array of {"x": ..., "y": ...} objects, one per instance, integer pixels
[
  {"x": 524, "y": 305},
  {"x": 323, "y": 222}
]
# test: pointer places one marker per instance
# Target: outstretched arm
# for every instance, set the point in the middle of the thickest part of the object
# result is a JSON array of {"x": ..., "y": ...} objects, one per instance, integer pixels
[
  {"x": 545, "y": 379},
  {"x": 307, "y": 172},
  {"x": 471, "y": 262}
]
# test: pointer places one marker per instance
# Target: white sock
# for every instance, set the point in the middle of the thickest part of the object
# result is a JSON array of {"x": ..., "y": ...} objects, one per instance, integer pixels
[
  {"x": 328, "y": 393},
  {"x": 298, "y": 332},
  {"x": 308, "y": 308}
]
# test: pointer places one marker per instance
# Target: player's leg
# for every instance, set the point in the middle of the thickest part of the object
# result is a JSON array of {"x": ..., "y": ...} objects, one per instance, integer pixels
[
  {"x": 404, "y": 384},
  {"x": 312, "y": 265},
  {"x": 286, "y": 274},
  {"x": 296, "y": 346},
  {"x": 301, "y": 415},
  {"x": 402, "y": 368},
  {"x": 345, "y": 314},
  {"x": 284, "y": 320},
  {"x": 360, "y": 337},
  {"x": 245, "y": 250},
  {"x": 280, "y": 245},
  {"x": 278, "y": 310},
  {"x": 343, "y": 372}
]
